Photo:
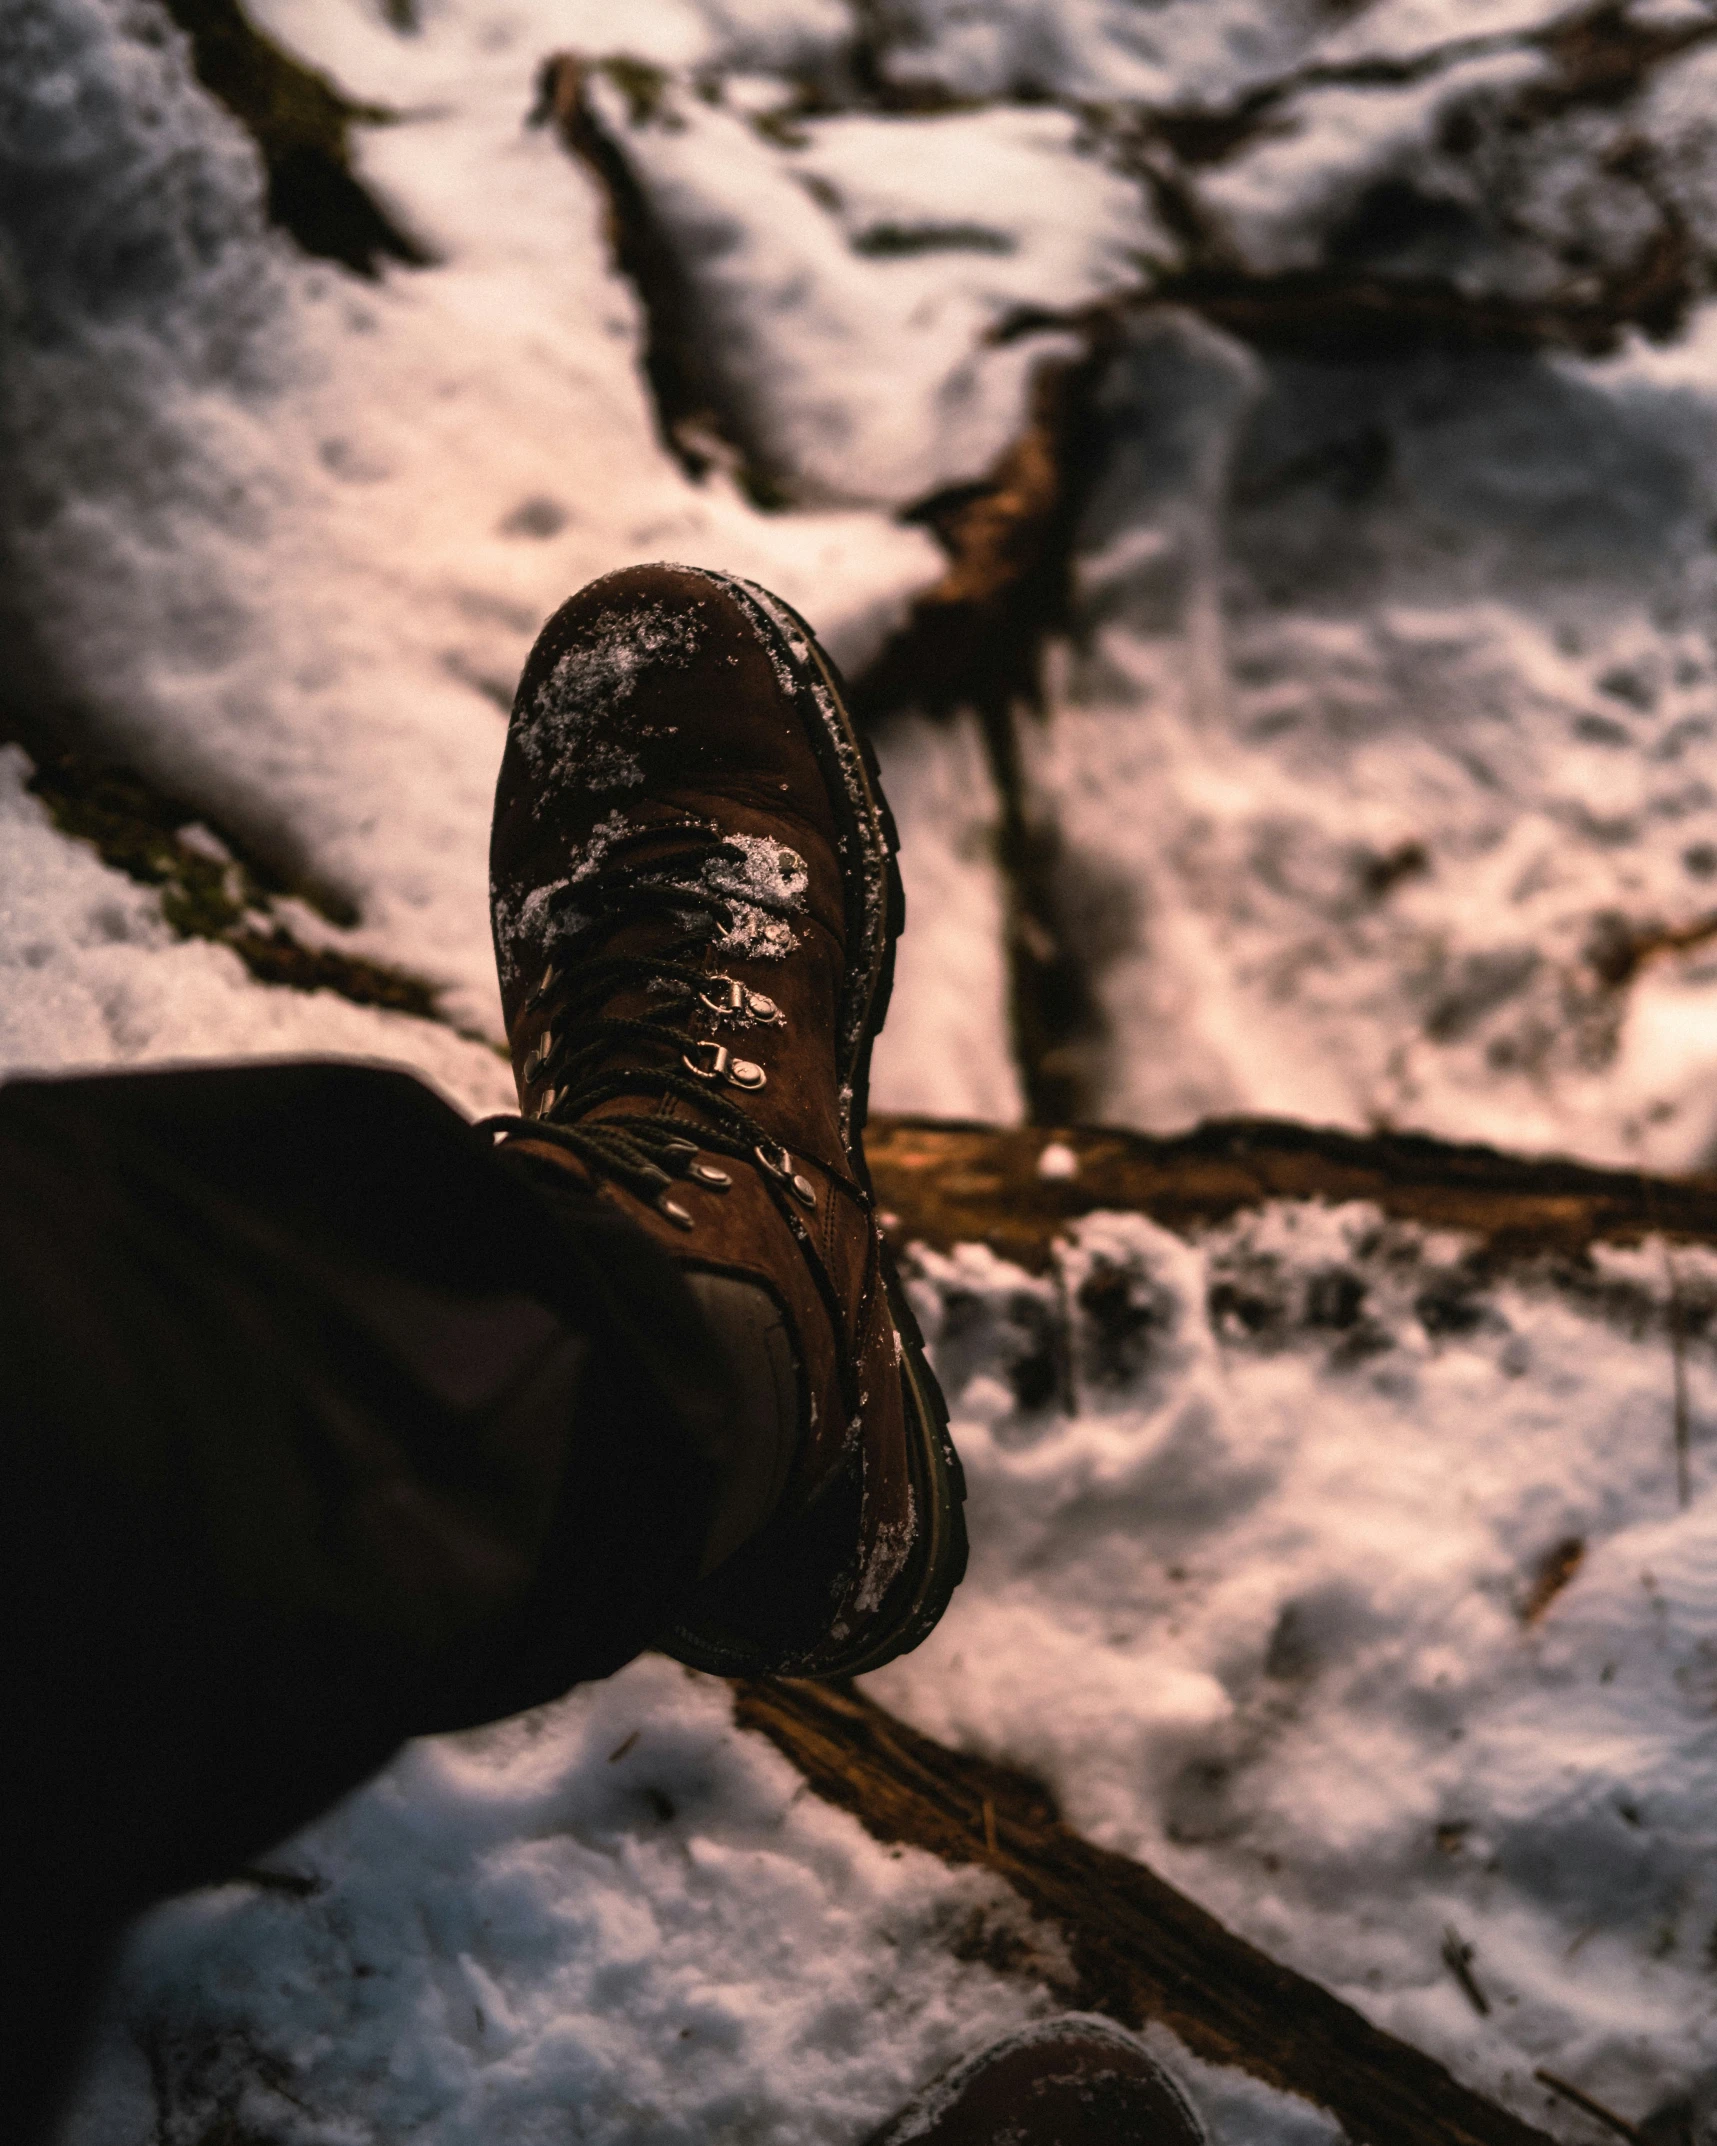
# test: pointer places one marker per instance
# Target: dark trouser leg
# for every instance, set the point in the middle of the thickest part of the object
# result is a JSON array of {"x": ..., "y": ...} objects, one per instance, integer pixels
[{"x": 323, "y": 1426}]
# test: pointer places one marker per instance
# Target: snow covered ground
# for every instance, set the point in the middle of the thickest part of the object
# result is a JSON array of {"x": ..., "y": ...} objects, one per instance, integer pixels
[
  {"x": 1380, "y": 759},
  {"x": 1351, "y": 1591},
  {"x": 1347, "y": 1587}
]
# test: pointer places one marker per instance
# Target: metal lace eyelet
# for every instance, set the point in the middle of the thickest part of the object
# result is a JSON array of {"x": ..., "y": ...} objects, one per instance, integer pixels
[
  {"x": 706, "y": 1173},
  {"x": 726, "y": 995},
  {"x": 545, "y": 1103},
  {"x": 717, "y": 1062},
  {"x": 780, "y": 1165},
  {"x": 667, "y": 1205},
  {"x": 538, "y": 1056}
]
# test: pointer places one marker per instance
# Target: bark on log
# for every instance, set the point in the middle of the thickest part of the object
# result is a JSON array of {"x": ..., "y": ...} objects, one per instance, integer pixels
[
  {"x": 1141, "y": 1950},
  {"x": 949, "y": 1184}
]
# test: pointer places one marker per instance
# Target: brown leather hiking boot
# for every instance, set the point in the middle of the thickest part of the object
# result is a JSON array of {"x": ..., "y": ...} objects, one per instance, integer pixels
[
  {"x": 1074, "y": 2081},
  {"x": 695, "y": 904}
]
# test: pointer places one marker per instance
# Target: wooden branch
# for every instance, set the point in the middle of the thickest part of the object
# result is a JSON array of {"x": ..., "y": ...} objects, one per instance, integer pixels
[
  {"x": 1141, "y": 1950},
  {"x": 948, "y": 1184}
]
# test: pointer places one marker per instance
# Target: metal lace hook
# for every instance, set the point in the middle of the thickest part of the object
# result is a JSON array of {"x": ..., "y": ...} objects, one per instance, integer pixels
[
  {"x": 780, "y": 1165},
  {"x": 714, "y": 1061}
]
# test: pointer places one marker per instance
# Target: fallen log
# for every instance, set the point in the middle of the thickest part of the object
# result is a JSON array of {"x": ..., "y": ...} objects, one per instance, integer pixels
[
  {"x": 946, "y": 1184},
  {"x": 1141, "y": 1950}
]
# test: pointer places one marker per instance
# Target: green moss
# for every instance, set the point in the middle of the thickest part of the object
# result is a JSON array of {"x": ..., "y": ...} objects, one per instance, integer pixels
[
  {"x": 780, "y": 127},
  {"x": 138, "y": 829},
  {"x": 763, "y": 491},
  {"x": 644, "y": 87},
  {"x": 153, "y": 837},
  {"x": 275, "y": 957}
]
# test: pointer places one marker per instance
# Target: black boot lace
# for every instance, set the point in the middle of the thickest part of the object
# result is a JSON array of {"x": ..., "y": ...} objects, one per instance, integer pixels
[{"x": 681, "y": 876}]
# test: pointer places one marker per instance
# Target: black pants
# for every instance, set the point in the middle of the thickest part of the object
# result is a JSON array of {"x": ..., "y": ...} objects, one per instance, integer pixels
[{"x": 324, "y": 1426}]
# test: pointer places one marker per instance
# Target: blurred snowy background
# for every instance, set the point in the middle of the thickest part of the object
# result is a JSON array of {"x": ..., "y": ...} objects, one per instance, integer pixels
[{"x": 1256, "y": 462}]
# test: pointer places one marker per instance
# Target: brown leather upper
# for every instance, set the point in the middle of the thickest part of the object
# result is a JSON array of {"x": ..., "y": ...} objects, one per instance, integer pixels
[{"x": 651, "y": 701}]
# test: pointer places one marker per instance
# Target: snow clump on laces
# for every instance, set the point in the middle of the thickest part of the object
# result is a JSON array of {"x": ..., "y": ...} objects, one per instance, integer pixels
[
  {"x": 576, "y": 726},
  {"x": 531, "y": 923},
  {"x": 764, "y": 877}
]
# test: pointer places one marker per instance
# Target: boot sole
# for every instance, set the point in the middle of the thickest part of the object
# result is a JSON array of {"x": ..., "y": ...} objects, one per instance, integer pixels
[{"x": 876, "y": 914}]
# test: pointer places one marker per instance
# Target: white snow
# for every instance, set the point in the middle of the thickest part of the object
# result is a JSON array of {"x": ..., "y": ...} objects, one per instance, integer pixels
[
  {"x": 1254, "y": 1600},
  {"x": 590, "y": 689},
  {"x": 93, "y": 978},
  {"x": 615, "y": 1914},
  {"x": 943, "y": 1051},
  {"x": 850, "y": 287},
  {"x": 279, "y": 543},
  {"x": 1189, "y": 50},
  {"x": 1445, "y": 731},
  {"x": 1330, "y": 144},
  {"x": 1381, "y": 763}
]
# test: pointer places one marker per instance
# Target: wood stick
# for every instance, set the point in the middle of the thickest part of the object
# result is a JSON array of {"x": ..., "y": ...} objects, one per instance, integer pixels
[
  {"x": 951, "y": 1184},
  {"x": 1680, "y": 1415},
  {"x": 1594, "y": 2109},
  {"x": 1142, "y": 1951}
]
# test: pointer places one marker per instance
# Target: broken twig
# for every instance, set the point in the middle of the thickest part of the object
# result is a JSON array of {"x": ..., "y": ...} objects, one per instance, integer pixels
[
  {"x": 1594, "y": 2109},
  {"x": 1458, "y": 1959},
  {"x": 1683, "y": 1430},
  {"x": 1140, "y": 1950}
]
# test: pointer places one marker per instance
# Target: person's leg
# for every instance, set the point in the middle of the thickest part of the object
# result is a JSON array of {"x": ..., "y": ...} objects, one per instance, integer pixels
[{"x": 324, "y": 1426}]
